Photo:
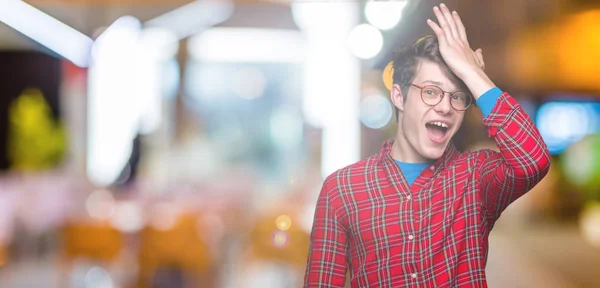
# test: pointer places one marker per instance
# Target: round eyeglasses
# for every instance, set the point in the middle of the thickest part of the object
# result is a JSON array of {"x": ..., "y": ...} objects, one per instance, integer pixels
[{"x": 432, "y": 95}]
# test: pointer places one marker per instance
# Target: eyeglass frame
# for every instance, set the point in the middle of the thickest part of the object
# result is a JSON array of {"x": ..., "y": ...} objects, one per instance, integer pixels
[{"x": 443, "y": 94}]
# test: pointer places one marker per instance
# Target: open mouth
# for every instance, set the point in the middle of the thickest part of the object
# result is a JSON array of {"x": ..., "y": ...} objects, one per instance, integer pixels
[{"x": 437, "y": 130}]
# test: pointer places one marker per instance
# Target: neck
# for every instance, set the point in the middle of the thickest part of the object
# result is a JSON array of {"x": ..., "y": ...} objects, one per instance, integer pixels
[{"x": 404, "y": 152}]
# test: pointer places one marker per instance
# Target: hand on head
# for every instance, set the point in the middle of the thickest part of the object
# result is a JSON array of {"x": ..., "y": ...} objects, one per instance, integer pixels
[{"x": 454, "y": 45}]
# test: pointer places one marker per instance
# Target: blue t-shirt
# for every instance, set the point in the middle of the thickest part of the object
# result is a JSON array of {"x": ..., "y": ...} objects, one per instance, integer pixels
[
  {"x": 411, "y": 170},
  {"x": 486, "y": 103}
]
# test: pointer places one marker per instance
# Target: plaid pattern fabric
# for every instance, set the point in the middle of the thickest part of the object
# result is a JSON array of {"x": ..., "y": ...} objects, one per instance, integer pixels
[{"x": 433, "y": 233}]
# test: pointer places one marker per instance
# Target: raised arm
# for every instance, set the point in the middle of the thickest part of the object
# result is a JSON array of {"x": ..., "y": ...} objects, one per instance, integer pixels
[{"x": 524, "y": 158}]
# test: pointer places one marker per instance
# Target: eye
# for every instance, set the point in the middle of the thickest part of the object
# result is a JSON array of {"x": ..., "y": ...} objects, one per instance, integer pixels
[
  {"x": 430, "y": 91},
  {"x": 459, "y": 97}
]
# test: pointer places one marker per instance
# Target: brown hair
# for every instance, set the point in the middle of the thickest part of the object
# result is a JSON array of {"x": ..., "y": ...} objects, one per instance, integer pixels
[{"x": 406, "y": 61}]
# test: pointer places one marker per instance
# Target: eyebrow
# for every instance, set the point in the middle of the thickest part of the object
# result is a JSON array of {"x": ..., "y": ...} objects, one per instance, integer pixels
[
  {"x": 432, "y": 82},
  {"x": 440, "y": 84}
]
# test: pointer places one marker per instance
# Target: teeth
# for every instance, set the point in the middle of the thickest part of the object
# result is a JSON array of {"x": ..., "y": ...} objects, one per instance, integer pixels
[{"x": 440, "y": 124}]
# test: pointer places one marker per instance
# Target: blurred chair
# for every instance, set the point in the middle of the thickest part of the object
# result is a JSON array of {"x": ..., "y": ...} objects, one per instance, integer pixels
[
  {"x": 97, "y": 242},
  {"x": 274, "y": 237},
  {"x": 168, "y": 255},
  {"x": 278, "y": 248}
]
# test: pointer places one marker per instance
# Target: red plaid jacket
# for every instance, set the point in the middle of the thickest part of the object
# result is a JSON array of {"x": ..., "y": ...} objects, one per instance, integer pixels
[{"x": 433, "y": 233}]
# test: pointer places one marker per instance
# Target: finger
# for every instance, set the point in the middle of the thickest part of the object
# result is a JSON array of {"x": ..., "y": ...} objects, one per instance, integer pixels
[
  {"x": 462, "y": 33},
  {"x": 450, "y": 21},
  {"x": 437, "y": 30},
  {"x": 476, "y": 58},
  {"x": 479, "y": 54},
  {"x": 443, "y": 24}
]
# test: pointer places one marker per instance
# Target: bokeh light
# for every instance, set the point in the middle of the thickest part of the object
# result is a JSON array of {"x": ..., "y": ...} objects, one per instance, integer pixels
[
  {"x": 581, "y": 164},
  {"x": 100, "y": 204},
  {"x": 384, "y": 14},
  {"x": 589, "y": 223},
  {"x": 283, "y": 222},
  {"x": 127, "y": 217},
  {"x": 563, "y": 123},
  {"x": 375, "y": 111},
  {"x": 164, "y": 216},
  {"x": 98, "y": 277},
  {"x": 365, "y": 41},
  {"x": 280, "y": 239}
]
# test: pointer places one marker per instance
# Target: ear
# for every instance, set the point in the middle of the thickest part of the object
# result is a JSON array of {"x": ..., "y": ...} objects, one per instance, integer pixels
[{"x": 397, "y": 97}]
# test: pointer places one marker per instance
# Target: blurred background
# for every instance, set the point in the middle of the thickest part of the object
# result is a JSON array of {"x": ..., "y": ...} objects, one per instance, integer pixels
[{"x": 183, "y": 144}]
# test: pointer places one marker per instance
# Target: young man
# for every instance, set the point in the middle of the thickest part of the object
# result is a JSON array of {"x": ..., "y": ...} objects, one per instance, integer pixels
[{"x": 419, "y": 213}]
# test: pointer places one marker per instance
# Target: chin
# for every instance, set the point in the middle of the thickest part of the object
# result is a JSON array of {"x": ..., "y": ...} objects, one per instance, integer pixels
[{"x": 434, "y": 153}]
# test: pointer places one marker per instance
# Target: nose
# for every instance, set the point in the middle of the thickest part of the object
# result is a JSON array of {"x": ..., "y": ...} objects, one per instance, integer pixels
[{"x": 444, "y": 107}]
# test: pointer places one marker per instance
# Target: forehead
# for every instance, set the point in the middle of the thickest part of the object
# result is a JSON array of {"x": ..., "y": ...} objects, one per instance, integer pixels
[{"x": 429, "y": 72}]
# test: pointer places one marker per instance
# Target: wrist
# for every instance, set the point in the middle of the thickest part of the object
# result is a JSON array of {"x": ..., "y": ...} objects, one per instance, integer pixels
[{"x": 478, "y": 82}]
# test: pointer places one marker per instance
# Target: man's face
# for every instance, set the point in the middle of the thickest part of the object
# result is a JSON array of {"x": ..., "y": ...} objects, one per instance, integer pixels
[{"x": 420, "y": 123}]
